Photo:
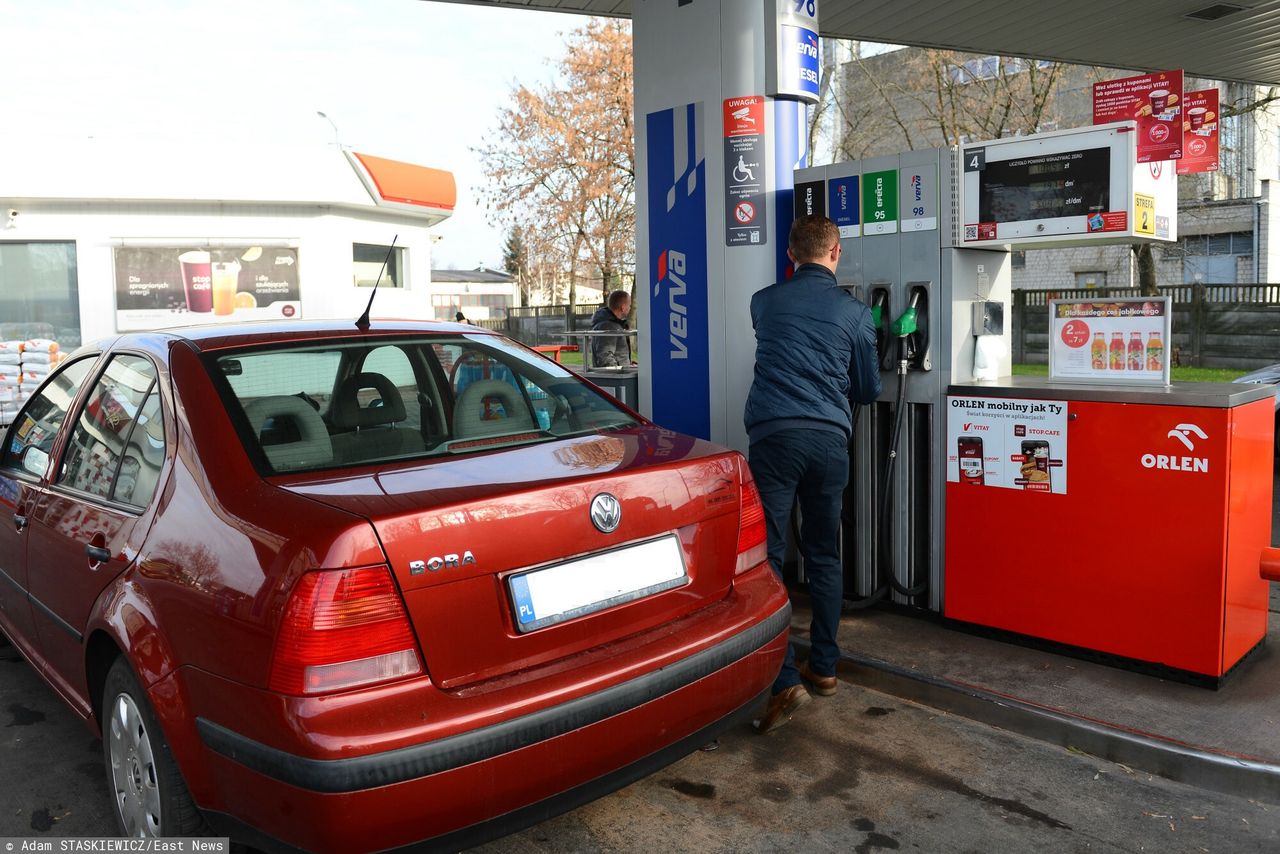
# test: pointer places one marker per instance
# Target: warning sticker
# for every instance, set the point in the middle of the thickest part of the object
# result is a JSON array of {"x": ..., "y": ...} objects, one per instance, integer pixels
[{"x": 744, "y": 171}]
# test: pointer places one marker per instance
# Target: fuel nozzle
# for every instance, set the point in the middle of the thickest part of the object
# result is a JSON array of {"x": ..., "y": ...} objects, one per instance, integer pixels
[{"x": 904, "y": 327}]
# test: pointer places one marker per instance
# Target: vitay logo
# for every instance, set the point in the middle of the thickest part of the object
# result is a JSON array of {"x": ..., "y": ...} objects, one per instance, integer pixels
[
  {"x": 1183, "y": 433},
  {"x": 970, "y": 427},
  {"x": 671, "y": 265}
]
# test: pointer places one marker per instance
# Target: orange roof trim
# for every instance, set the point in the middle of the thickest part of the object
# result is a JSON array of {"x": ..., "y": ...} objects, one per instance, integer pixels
[{"x": 410, "y": 184}]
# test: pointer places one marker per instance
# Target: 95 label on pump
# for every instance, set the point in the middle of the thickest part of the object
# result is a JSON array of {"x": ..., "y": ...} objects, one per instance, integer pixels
[{"x": 1007, "y": 442}]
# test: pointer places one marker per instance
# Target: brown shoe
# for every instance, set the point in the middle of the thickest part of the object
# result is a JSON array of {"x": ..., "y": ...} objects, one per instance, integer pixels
[
  {"x": 780, "y": 709},
  {"x": 822, "y": 685}
]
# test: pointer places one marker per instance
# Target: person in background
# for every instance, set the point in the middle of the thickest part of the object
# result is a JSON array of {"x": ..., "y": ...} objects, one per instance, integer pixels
[
  {"x": 460, "y": 318},
  {"x": 815, "y": 352},
  {"x": 608, "y": 351}
]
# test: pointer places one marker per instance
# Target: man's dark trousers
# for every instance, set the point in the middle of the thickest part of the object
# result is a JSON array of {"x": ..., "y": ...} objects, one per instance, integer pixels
[{"x": 813, "y": 466}]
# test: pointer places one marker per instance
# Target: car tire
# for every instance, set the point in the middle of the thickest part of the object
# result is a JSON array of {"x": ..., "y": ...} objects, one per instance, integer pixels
[{"x": 150, "y": 798}]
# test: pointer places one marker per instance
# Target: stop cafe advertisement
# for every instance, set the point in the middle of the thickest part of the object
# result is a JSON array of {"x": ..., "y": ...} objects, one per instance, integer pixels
[{"x": 159, "y": 286}]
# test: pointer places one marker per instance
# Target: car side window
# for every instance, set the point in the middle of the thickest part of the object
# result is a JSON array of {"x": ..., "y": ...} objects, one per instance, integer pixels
[
  {"x": 37, "y": 424},
  {"x": 103, "y": 456}
]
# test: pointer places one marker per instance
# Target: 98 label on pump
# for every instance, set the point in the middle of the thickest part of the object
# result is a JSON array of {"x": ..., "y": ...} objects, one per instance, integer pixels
[{"x": 1007, "y": 442}]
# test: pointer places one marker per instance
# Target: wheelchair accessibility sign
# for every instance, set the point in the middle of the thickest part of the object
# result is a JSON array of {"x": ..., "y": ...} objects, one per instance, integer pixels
[{"x": 744, "y": 171}]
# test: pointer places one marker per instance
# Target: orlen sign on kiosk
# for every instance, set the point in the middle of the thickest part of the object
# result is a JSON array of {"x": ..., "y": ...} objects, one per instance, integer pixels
[
  {"x": 1103, "y": 509},
  {"x": 1054, "y": 188}
]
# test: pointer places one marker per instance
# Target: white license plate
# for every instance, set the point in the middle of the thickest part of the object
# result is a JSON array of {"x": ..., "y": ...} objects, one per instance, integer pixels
[{"x": 557, "y": 593}]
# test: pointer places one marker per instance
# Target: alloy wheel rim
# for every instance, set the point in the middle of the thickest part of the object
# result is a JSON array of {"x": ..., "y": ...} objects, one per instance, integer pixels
[{"x": 134, "y": 779}]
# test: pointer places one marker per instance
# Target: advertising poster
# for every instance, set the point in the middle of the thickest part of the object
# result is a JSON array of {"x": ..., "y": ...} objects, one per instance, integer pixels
[
  {"x": 1007, "y": 443},
  {"x": 1113, "y": 340},
  {"x": 744, "y": 171},
  {"x": 159, "y": 286},
  {"x": 1200, "y": 133},
  {"x": 1154, "y": 101},
  {"x": 678, "y": 231}
]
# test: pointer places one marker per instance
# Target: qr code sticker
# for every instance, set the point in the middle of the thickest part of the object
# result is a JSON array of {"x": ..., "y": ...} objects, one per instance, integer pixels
[{"x": 970, "y": 232}]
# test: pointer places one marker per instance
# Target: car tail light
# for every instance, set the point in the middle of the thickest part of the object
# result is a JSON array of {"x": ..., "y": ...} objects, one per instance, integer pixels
[
  {"x": 343, "y": 629},
  {"x": 753, "y": 538}
]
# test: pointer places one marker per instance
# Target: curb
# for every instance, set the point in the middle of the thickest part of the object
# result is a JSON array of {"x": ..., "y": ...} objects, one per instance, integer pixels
[{"x": 1174, "y": 760}]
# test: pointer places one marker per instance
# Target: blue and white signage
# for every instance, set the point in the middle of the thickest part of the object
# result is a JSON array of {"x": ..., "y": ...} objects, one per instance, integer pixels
[
  {"x": 677, "y": 251},
  {"x": 792, "y": 66},
  {"x": 918, "y": 198},
  {"x": 842, "y": 205}
]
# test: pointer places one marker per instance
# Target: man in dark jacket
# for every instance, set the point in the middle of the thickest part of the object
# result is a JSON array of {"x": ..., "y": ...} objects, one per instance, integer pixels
[
  {"x": 815, "y": 352},
  {"x": 609, "y": 351}
]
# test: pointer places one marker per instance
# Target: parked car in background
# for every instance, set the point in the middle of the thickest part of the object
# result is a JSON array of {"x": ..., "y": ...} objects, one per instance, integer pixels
[
  {"x": 344, "y": 590},
  {"x": 1269, "y": 374}
]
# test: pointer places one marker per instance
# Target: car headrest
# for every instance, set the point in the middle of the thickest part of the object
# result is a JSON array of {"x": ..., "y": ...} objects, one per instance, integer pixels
[
  {"x": 347, "y": 412},
  {"x": 469, "y": 412},
  {"x": 312, "y": 447}
]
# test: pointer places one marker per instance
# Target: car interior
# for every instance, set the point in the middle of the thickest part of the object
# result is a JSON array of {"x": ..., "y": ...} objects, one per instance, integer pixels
[{"x": 352, "y": 404}]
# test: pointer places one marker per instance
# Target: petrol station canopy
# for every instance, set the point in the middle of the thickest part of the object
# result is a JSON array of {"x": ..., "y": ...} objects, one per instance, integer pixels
[{"x": 1222, "y": 41}]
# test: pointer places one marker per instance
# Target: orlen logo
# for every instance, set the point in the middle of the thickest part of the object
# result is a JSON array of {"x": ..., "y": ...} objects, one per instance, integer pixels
[
  {"x": 1183, "y": 433},
  {"x": 970, "y": 427},
  {"x": 672, "y": 264}
]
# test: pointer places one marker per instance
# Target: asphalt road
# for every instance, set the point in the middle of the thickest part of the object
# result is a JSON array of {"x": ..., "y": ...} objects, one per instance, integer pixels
[{"x": 857, "y": 772}]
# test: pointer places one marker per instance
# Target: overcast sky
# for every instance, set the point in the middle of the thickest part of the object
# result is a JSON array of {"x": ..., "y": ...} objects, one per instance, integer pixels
[{"x": 405, "y": 79}]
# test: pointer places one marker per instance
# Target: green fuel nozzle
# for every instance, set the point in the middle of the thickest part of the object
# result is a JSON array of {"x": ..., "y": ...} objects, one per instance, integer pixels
[
  {"x": 875, "y": 315},
  {"x": 905, "y": 324}
]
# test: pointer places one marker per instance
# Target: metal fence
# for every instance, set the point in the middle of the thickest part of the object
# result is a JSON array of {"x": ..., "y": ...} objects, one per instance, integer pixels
[
  {"x": 543, "y": 324},
  {"x": 1214, "y": 326}
]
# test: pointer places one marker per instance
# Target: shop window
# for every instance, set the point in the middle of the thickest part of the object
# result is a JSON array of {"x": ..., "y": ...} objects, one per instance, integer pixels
[
  {"x": 39, "y": 294},
  {"x": 1018, "y": 259},
  {"x": 367, "y": 260},
  {"x": 1094, "y": 279}
]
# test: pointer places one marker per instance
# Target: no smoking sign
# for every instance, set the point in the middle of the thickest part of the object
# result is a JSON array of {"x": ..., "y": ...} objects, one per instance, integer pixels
[{"x": 745, "y": 212}]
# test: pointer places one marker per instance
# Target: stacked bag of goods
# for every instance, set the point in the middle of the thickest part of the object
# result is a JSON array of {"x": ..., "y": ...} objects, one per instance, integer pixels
[
  {"x": 24, "y": 366},
  {"x": 10, "y": 379},
  {"x": 39, "y": 356}
]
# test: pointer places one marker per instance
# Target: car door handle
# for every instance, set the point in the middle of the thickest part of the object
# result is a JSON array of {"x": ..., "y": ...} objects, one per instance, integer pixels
[
  {"x": 20, "y": 520},
  {"x": 98, "y": 553}
]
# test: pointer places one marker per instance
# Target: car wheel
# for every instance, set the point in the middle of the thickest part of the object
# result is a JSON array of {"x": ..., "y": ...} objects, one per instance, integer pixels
[{"x": 151, "y": 800}]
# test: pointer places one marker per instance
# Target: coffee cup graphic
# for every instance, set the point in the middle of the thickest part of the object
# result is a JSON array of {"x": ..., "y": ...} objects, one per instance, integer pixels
[
  {"x": 1196, "y": 116},
  {"x": 1159, "y": 100},
  {"x": 197, "y": 280}
]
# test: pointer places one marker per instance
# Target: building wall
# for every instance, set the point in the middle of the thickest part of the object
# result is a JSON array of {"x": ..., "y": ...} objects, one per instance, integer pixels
[
  {"x": 1237, "y": 199},
  {"x": 323, "y": 237}
]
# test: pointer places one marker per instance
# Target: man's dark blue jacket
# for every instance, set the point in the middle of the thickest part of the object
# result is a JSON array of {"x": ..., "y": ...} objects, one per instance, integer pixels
[{"x": 815, "y": 351}]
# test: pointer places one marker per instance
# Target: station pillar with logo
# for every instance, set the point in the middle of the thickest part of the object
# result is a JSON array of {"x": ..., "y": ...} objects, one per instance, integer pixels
[{"x": 720, "y": 91}]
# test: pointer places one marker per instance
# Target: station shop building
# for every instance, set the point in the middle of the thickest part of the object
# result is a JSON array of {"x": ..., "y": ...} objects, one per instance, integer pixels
[{"x": 99, "y": 237}]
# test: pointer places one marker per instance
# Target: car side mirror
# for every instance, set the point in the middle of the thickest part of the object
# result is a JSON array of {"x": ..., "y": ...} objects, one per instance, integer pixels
[{"x": 35, "y": 460}]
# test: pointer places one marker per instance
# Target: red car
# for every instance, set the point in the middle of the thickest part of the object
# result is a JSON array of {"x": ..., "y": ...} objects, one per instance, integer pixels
[{"x": 338, "y": 589}]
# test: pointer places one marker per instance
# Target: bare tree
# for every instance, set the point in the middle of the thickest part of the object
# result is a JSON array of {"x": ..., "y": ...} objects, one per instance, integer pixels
[{"x": 563, "y": 156}]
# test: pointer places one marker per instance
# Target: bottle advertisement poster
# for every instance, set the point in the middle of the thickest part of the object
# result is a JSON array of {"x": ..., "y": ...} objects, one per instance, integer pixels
[
  {"x": 1008, "y": 443},
  {"x": 1121, "y": 340},
  {"x": 159, "y": 286},
  {"x": 1154, "y": 102}
]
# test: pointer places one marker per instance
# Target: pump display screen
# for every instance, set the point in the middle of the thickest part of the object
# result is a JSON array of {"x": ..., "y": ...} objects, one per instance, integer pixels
[{"x": 1071, "y": 183}]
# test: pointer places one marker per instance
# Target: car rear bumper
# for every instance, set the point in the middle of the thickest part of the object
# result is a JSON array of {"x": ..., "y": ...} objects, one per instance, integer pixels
[
  {"x": 523, "y": 817},
  {"x": 493, "y": 779}
]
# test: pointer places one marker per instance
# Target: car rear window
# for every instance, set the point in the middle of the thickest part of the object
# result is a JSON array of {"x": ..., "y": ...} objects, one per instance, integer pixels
[{"x": 310, "y": 407}]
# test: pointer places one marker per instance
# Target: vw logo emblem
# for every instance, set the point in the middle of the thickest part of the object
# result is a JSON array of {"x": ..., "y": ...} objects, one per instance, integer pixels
[{"x": 606, "y": 513}]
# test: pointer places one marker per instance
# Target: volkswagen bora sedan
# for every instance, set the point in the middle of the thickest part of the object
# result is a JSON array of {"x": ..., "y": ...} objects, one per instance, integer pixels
[{"x": 337, "y": 589}]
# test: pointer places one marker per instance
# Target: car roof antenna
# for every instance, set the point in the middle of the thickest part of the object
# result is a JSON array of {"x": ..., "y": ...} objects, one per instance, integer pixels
[{"x": 363, "y": 323}]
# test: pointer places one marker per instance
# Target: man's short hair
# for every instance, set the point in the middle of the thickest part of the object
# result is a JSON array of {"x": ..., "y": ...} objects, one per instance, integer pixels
[
  {"x": 812, "y": 237},
  {"x": 617, "y": 298}
]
